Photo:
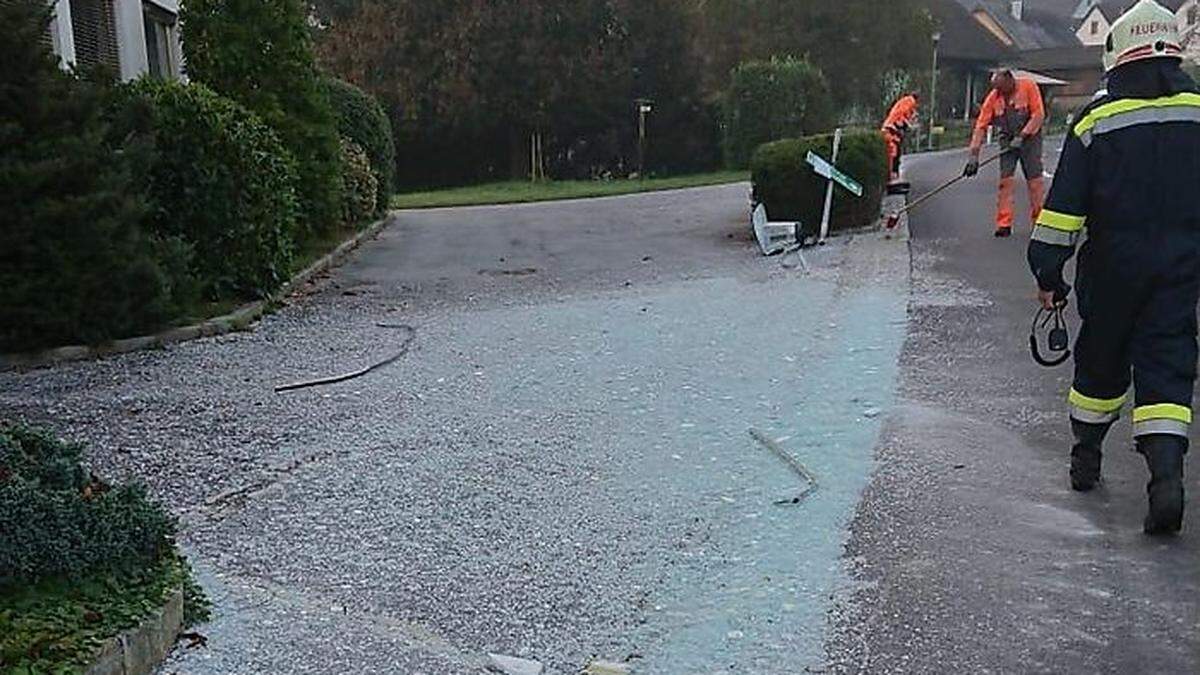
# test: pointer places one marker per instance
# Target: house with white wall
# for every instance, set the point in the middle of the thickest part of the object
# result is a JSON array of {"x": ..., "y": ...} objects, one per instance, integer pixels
[
  {"x": 133, "y": 37},
  {"x": 1094, "y": 18}
]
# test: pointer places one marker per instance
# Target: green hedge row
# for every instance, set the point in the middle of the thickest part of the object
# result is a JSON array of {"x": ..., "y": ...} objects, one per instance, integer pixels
[
  {"x": 361, "y": 120},
  {"x": 360, "y": 186},
  {"x": 126, "y": 206},
  {"x": 222, "y": 181},
  {"x": 785, "y": 183},
  {"x": 55, "y": 520},
  {"x": 770, "y": 100},
  {"x": 260, "y": 54}
]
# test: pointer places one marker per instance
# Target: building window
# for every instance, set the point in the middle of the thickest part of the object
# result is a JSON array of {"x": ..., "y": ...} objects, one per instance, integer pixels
[
  {"x": 160, "y": 42},
  {"x": 1095, "y": 28},
  {"x": 95, "y": 33}
]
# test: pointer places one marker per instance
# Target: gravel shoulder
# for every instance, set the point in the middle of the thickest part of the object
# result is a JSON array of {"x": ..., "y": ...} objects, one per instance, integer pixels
[{"x": 561, "y": 469}]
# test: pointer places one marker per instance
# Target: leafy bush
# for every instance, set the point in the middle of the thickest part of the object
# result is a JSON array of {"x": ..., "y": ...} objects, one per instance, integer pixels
[
  {"x": 360, "y": 187},
  {"x": 57, "y": 521},
  {"x": 80, "y": 561},
  {"x": 221, "y": 180},
  {"x": 784, "y": 181},
  {"x": 76, "y": 264},
  {"x": 260, "y": 55},
  {"x": 57, "y": 625},
  {"x": 769, "y": 100},
  {"x": 361, "y": 119}
]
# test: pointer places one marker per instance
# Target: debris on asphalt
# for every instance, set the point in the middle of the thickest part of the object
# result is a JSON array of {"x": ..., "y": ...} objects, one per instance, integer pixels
[
  {"x": 607, "y": 668},
  {"x": 801, "y": 470},
  {"x": 408, "y": 341},
  {"x": 512, "y": 665},
  {"x": 194, "y": 640}
]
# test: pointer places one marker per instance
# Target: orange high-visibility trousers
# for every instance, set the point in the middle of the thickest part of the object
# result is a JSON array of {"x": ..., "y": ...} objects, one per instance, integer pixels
[
  {"x": 895, "y": 142},
  {"x": 1004, "y": 209}
]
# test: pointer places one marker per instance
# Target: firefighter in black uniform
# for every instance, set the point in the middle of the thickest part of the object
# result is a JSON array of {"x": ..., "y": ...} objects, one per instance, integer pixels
[{"x": 1130, "y": 172}]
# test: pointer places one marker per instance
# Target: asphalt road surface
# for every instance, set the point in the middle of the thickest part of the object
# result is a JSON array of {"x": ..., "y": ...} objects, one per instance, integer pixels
[
  {"x": 974, "y": 554},
  {"x": 560, "y": 469}
]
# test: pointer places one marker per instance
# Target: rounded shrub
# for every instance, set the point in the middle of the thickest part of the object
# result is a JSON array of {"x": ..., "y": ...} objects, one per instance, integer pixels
[
  {"x": 360, "y": 188},
  {"x": 785, "y": 183},
  {"x": 260, "y": 54},
  {"x": 362, "y": 119},
  {"x": 56, "y": 520},
  {"x": 221, "y": 180},
  {"x": 770, "y": 100}
]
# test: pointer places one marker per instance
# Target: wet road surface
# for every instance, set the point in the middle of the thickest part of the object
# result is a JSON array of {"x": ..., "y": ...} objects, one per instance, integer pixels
[{"x": 973, "y": 553}]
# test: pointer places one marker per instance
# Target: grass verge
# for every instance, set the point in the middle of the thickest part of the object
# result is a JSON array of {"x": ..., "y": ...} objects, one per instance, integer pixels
[
  {"x": 57, "y": 625},
  {"x": 518, "y": 192}
]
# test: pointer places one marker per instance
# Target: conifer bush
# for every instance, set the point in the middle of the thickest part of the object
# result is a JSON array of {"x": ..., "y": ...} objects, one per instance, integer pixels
[{"x": 76, "y": 262}]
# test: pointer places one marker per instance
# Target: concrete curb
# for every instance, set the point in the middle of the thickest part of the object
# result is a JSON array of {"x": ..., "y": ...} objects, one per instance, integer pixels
[
  {"x": 140, "y": 650},
  {"x": 239, "y": 319}
]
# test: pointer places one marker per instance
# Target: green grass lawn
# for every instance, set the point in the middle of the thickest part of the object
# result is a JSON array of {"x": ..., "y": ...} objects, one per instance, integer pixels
[{"x": 515, "y": 192}]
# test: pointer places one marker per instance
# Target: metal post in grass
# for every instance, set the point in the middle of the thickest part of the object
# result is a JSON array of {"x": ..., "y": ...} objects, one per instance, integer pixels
[
  {"x": 937, "y": 38},
  {"x": 644, "y": 106}
]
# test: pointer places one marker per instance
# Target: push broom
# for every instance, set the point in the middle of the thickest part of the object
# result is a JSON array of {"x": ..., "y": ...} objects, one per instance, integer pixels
[{"x": 894, "y": 219}]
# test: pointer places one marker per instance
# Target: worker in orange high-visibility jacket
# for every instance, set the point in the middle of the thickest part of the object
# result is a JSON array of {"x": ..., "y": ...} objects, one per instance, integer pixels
[
  {"x": 1014, "y": 106},
  {"x": 901, "y": 118}
]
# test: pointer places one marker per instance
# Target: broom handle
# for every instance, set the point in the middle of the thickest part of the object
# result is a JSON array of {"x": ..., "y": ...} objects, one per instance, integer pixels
[{"x": 947, "y": 185}]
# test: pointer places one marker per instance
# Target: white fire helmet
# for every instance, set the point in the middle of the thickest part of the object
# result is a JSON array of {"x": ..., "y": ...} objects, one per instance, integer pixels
[{"x": 1148, "y": 31}]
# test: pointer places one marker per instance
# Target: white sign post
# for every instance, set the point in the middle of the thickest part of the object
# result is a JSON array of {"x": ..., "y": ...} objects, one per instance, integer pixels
[
  {"x": 837, "y": 145},
  {"x": 830, "y": 171}
]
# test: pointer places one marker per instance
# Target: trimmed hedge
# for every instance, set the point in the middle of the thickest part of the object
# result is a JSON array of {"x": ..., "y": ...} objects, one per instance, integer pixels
[
  {"x": 55, "y": 520},
  {"x": 260, "y": 54},
  {"x": 360, "y": 188},
  {"x": 783, "y": 180},
  {"x": 770, "y": 100},
  {"x": 361, "y": 119},
  {"x": 221, "y": 180},
  {"x": 76, "y": 263}
]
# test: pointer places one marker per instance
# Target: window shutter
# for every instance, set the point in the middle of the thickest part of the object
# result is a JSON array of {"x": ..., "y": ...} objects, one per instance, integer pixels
[{"x": 95, "y": 32}]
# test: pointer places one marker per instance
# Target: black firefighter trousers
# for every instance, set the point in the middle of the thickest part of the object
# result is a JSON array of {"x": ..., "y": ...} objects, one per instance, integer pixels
[{"x": 1138, "y": 305}]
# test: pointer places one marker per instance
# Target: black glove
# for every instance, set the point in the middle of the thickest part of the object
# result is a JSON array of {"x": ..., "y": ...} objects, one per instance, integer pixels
[
  {"x": 1061, "y": 294},
  {"x": 972, "y": 167}
]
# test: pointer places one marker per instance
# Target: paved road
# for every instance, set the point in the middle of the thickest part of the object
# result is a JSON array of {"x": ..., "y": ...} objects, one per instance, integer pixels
[
  {"x": 561, "y": 468},
  {"x": 974, "y": 554}
]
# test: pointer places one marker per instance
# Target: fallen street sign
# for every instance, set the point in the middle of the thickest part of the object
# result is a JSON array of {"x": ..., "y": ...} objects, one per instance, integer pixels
[{"x": 827, "y": 170}]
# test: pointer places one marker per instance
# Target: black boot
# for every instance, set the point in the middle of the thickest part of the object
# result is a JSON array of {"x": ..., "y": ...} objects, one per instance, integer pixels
[
  {"x": 1164, "y": 456},
  {"x": 1086, "y": 454}
]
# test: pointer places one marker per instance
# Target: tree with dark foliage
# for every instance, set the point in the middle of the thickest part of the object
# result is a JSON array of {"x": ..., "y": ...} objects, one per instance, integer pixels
[{"x": 75, "y": 261}]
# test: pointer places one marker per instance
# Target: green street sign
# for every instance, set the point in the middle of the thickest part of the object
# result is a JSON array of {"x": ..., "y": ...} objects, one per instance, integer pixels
[{"x": 826, "y": 170}]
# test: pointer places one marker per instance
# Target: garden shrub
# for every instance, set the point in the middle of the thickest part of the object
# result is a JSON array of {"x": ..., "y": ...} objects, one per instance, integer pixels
[
  {"x": 55, "y": 520},
  {"x": 260, "y": 54},
  {"x": 770, "y": 100},
  {"x": 76, "y": 264},
  {"x": 360, "y": 188},
  {"x": 785, "y": 183},
  {"x": 80, "y": 561},
  {"x": 221, "y": 180},
  {"x": 361, "y": 119}
]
